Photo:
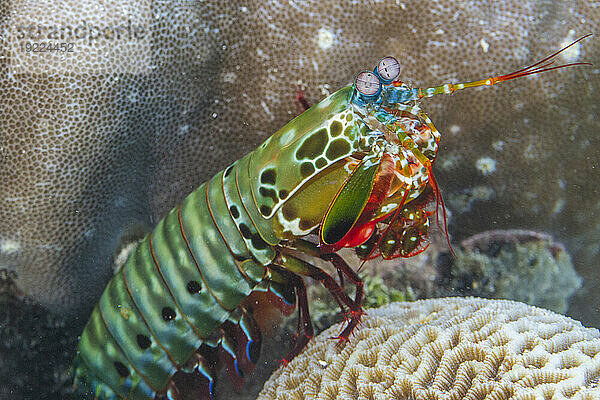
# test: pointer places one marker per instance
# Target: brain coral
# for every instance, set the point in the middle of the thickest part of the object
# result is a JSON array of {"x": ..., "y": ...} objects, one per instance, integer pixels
[
  {"x": 113, "y": 136},
  {"x": 448, "y": 348}
]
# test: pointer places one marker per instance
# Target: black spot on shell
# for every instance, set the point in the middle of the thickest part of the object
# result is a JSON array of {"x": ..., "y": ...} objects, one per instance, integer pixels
[
  {"x": 321, "y": 162},
  {"x": 265, "y": 210},
  {"x": 168, "y": 314},
  {"x": 337, "y": 149},
  {"x": 335, "y": 128},
  {"x": 143, "y": 341},
  {"x": 268, "y": 176},
  {"x": 270, "y": 193},
  {"x": 306, "y": 169},
  {"x": 283, "y": 194},
  {"x": 193, "y": 287},
  {"x": 258, "y": 243},
  {"x": 234, "y": 212},
  {"x": 304, "y": 225},
  {"x": 289, "y": 213},
  {"x": 245, "y": 231},
  {"x": 122, "y": 370},
  {"x": 313, "y": 146}
]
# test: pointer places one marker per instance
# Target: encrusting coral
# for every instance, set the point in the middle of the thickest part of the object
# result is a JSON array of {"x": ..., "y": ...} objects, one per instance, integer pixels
[
  {"x": 448, "y": 348},
  {"x": 514, "y": 264}
]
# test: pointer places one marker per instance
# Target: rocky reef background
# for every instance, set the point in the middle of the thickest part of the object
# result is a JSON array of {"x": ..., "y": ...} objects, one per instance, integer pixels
[{"x": 95, "y": 149}]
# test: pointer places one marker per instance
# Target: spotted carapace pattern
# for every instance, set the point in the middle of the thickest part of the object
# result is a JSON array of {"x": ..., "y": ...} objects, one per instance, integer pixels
[{"x": 355, "y": 171}]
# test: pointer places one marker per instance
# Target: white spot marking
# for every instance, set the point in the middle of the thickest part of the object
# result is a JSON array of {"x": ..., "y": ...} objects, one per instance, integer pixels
[
  {"x": 229, "y": 77},
  {"x": 436, "y": 43},
  {"x": 325, "y": 102},
  {"x": 451, "y": 161},
  {"x": 262, "y": 54},
  {"x": 123, "y": 254},
  {"x": 287, "y": 137},
  {"x": 454, "y": 129},
  {"x": 9, "y": 246},
  {"x": 572, "y": 53},
  {"x": 484, "y": 45},
  {"x": 183, "y": 129},
  {"x": 325, "y": 90},
  {"x": 266, "y": 108},
  {"x": 486, "y": 165},
  {"x": 325, "y": 38},
  {"x": 388, "y": 208},
  {"x": 292, "y": 226},
  {"x": 559, "y": 205},
  {"x": 498, "y": 145}
]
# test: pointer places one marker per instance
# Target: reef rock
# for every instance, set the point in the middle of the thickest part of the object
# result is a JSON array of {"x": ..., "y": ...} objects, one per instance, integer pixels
[{"x": 514, "y": 264}]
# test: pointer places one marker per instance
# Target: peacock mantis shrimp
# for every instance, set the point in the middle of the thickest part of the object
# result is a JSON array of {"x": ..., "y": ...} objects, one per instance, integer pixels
[{"x": 355, "y": 170}]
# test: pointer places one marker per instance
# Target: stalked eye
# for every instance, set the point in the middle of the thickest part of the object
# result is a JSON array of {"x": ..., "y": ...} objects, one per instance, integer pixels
[
  {"x": 367, "y": 83},
  {"x": 388, "y": 69}
]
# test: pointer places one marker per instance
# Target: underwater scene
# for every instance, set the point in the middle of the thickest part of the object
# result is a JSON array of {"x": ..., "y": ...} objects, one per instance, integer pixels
[{"x": 207, "y": 199}]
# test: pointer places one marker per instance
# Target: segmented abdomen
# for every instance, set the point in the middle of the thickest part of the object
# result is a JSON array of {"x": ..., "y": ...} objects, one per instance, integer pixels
[{"x": 177, "y": 287}]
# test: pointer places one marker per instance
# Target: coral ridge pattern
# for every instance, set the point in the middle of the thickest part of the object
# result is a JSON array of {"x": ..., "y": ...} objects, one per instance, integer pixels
[{"x": 448, "y": 348}]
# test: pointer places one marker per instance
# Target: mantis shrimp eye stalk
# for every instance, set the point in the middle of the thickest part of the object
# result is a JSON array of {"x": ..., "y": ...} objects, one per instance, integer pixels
[
  {"x": 388, "y": 69},
  {"x": 368, "y": 85}
]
